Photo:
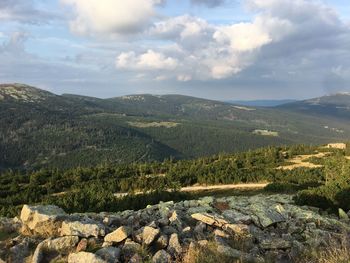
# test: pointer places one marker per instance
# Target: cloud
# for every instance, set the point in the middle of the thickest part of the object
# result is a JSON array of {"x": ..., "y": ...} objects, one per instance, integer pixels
[
  {"x": 208, "y": 3},
  {"x": 281, "y": 30},
  {"x": 15, "y": 44},
  {"x": 24, "y": 11},
  {"x": 147, "y": 61},
  {"x": 111, "y": 16}
]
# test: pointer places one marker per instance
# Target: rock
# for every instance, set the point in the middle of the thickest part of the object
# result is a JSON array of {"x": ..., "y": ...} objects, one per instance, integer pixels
[
  {"x": 149, "y": 234},
  {"x": 161, "y": 257},
  {"x": 186, "y": 232},
  {"x": 276, "y": 243},
  {"x": 212, "y": 220},
  {"x": 136, "y": 258},
  {"x": 84, "y": 257},
  {"x": 265, "y": 216},
  {"x": 163, "y": 221},
  {"x": 107, "y": 244},
  {"x": 175, "y": 220},
  {"x": 42, "y": 220},
  {"x": 237, "y": 217},
  {"x": 342, "y": 214},
  {"x": 228, "y": 251},
  {"x": 118, "y": 235},
  {"x": 112, "y": 220},
  {"x": 168, "y": 230},
  {"x": 130, "y": 248},
  {"x": 174, "y": 246},
  {"x": 8, "y": 225},
  {"x": 206, "y": 201},
  {"x": 164, "y": 208},
  {"x": 19, "y": 252},
  {"x": 237, "y": 229},
  {"x": 109, "y": 254},
  {"x": 162, "y": 242},
  {"x": 82, "y": 229},
  {"x": 191, "y": 253},
  {"x": 82, "y": 245},
  {"x": 220, "y": 233},
  {"x": 62, "y": 245}
]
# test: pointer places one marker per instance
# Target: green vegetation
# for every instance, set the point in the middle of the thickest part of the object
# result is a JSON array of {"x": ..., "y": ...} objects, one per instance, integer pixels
[
  {"x": 41, "y": 130},
  {"x": 92, "y": 189},
  {"x": 335, "y": 193}
]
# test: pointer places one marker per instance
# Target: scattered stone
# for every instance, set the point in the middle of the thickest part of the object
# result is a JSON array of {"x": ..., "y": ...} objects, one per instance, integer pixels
[
  {"x": 84, "y": 257},
  {"x": 212, "y": 220},
  {"x": 136, "y": 258},
  {"x": 162, "y": 242},
  {"x": 220, "y": 233},
  {"x": 266, "y": 216},
  {"x": 161, "y": 257},
  {"x": 174, "y": 246},
  {"x": 237, "y": 217},
  {"x": 118, "y": 235},
  {"x": 42, "y": 220},
  {"x": 276, "y": 243},
  {"x": 82, "y": 229},
  {"x": 130, "y": 248},
  {"x": 237, "y": 229},
  {"x": 149, "y": 234},
  {"x": 19, "y": 252},
  {"x": 229, "y": 251},
  {"x": 82, "y": 245},
  {"x": 109, "y": 254},
  {"x": 62, "y": 245}
]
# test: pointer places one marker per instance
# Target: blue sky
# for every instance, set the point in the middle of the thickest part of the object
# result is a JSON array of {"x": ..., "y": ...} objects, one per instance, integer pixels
[{"x": 220, "y": 49}]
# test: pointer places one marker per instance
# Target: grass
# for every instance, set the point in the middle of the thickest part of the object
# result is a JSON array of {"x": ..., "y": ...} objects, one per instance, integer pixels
[
  {"x": 335, "y": 252},
  {"x": 208, "y": 254},
  {"x": 5, "y": 235}
]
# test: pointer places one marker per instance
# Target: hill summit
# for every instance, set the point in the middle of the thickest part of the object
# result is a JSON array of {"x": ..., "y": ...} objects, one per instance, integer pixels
[{"x": 22, "y": 92}]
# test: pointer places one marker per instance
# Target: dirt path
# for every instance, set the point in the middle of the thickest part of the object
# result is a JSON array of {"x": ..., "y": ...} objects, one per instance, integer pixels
[
  {"x": 301, "y": 161},
  {"x": 196, "y": 188},
  {"x": 222, "y": 187}
]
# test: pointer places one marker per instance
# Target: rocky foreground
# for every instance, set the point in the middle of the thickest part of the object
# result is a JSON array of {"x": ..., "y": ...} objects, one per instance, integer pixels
[{"x": 252, "y": 229}]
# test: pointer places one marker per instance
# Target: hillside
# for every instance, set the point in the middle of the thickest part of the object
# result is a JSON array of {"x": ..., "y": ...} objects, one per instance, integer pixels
[
  {"x": 336, "y": 106},
  {"x": 260, "y": 103},
  {"x": 40, "y": 129},
  {"x": 302, "y": 215}
]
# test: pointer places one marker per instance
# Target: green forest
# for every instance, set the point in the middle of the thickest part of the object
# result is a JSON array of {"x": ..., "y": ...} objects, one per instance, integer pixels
[{"x": 92, "y": 189}]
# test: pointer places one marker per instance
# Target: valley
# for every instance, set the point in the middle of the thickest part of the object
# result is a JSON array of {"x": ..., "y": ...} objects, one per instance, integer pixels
[{"x": 41, "y": 129}]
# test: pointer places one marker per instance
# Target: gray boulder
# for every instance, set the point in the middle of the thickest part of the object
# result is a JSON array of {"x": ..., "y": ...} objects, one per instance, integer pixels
[
  {"x": 109, "y": 254},
  {"x": 42, "y": 220},
  {"x": 161, "y": 257},
  {"x": 84, "y": 257},
  {"x": 82, "y": 229}
]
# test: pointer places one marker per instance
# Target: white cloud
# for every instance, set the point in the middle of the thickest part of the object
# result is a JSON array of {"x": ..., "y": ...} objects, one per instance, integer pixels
[
  {"x": 209, "y": 51},
  {"x": 24, "y": 11},
  {"x": 209, "y": 3},
  {"x": 150, "y": 60},
  {"x": 111, "y": 16}
]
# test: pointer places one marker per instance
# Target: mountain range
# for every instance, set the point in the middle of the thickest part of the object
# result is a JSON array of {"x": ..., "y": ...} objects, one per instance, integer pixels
[{"x": 41, "y": 129}]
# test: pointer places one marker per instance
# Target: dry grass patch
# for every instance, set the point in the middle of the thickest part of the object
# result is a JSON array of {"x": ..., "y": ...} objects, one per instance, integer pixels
[{"x": 164, "y": 124}]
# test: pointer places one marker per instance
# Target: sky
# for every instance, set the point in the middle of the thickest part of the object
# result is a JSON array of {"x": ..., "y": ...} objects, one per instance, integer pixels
[{"x": 217, "y": 49}]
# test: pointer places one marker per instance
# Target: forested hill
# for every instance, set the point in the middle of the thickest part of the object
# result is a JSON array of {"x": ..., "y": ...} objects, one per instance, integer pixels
[
  {"x": 335, "y": 106},
  {"x": 40, "y": 129}
]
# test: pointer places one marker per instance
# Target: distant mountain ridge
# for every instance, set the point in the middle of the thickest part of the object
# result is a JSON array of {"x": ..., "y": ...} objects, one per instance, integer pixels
[
  {"x": 41, "y": 129},
  {"x": 261, "y": 103},
  {"x": 334, "y": 105}
]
